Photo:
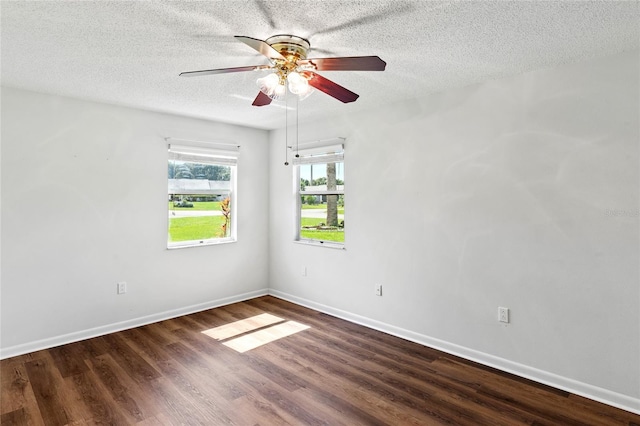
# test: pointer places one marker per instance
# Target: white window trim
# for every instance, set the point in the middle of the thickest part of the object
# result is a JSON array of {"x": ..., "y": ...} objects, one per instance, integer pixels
[
  {"x": 225, "y": 154},
  {"x": 311, "y": 148}
]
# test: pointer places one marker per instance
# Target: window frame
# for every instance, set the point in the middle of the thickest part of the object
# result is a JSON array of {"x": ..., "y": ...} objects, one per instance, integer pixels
[
  {"x": 219, "y": 154},
  {"x": 317, "y": 152}
]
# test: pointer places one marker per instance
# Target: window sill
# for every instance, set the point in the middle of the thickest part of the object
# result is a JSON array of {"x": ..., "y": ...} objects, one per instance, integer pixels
[
  {"x": 327, "y": 244},
  {"x": 190, "y": 244}
]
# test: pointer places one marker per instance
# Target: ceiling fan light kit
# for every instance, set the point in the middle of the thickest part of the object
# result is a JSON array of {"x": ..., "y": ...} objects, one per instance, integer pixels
[{"x": 292, "y": 71}]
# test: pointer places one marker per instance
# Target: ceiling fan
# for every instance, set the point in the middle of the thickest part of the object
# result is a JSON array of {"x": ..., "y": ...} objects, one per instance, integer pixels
[{"x": 288, "y": 59}]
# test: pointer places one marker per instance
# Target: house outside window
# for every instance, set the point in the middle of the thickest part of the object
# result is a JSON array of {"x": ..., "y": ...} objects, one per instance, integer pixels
[
  {"x": 319, "y": 180},
  {"x": 201, "y": 194}
]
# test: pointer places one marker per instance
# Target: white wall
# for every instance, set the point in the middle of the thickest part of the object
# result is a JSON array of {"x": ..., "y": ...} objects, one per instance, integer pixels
[
  {"x": 491, "y": 195},
  {"x": 84, "y": 205}
]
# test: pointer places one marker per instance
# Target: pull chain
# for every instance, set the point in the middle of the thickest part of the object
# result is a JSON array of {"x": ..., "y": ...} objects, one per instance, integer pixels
[
  {"x": 286, "y": 127},
  {"x": 297, "y": 126}
]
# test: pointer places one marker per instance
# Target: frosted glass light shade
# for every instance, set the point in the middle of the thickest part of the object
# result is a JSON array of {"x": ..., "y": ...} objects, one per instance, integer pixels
[
  {"x": 279, "y": 92},
  {"x": 298, "y": 85},
  {"x": 270, "y": 86}
]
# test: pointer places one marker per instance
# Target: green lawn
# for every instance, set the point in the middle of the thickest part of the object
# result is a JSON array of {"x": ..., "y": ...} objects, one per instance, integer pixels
[
  {"x": 321, "y": 235},
  {"x": 311, "y": 221},
  {"x": 205, "y": 227},
  {"x": 336, "y": 235},
  {"x": 195, "y": 228},
  {"x": 198, "y": 205}
]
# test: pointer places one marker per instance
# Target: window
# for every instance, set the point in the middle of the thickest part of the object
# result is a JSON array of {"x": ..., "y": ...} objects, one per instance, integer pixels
[
  {"x": 319, "y": 180},
  {"x": 201, "y": 194}
]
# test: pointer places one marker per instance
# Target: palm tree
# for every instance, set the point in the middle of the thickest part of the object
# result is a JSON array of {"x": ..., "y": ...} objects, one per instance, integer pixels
[{"x": 332, "y": 200}]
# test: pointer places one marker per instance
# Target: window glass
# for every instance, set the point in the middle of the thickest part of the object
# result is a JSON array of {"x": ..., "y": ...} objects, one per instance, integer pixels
[
  {"x": 321, "y": 202},
  {"x": 200, "y": 202}
]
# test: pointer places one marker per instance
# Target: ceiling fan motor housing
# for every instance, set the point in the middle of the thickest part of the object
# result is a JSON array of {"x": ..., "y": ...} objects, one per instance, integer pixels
[{"x": 290, "y": 46}]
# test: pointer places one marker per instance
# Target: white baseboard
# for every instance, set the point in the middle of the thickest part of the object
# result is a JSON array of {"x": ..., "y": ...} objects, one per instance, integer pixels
[
  {"x": 124, "y": 325},
  {"x": 605, "y": 396}
]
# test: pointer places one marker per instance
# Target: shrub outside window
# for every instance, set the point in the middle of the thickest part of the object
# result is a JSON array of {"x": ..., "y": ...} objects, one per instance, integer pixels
[{"x": 201, "y": 196}]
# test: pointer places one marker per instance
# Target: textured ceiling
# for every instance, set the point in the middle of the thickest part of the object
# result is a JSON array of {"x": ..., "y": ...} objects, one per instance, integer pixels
[{"x": 131, "y": 52}]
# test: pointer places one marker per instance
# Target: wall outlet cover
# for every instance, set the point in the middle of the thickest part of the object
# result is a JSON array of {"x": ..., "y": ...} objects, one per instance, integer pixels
[{"x": 503, "y": 314}]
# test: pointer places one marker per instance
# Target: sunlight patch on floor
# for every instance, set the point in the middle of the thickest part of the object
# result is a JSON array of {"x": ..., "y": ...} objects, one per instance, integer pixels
[
  {"x": 243, "y": 326},
  {"x": 254, "y": 332},
  {"x": 264, "y": 336}
]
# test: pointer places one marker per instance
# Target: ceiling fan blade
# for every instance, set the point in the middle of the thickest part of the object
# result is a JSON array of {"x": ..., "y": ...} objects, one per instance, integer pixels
[
  {"x": 261, "y": 100},
  {"x": 223, "y": 70},
  {"x": 330, "y": 88},
  {"x": 353, "y": 63},
  {"x": 261, "y": 46}
]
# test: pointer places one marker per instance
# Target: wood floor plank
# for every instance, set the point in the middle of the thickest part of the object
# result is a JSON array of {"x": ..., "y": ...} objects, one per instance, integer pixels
[
  {"x": 288, "y": 405},
  {"x": 68, "y": 396},
  {"x": 336, "y": 408},
  {"x": 173, "y": 405},
  {"x": 95, "y": 347},
  {"x": 46, "y": 394},
  {"x": 610, "y": 414},
  {"x": 220, "y": 357},
  {"x": 220, "y": 381},
  {"x": 17, "y": 417},
  {"x": 254, "y": 410},
  {"x": 551, "y": 407},
  {"x": 17, "y": 395},
  {"x": 102, "y": 408},
  {"x": 69, "y": 359},
  {"x": 130, "y": 397},
  {"x": 337, "y": 366},
  {"x": 135, "y": 365},
  {"x": 194, "y": 388},
  {"x": 214, "y": 357},
  {"x": 344, "y": 390},
  {"x": 328, "y": 372},
  {"x": 159, "y": 420},
  {"x": 160, "y": 334},
  {"x": 170, "y": 403}
]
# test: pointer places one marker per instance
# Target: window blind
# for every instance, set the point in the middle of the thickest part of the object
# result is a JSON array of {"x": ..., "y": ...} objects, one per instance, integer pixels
[
  {"x": 203, "y": 152},
  {"x": 323, "y": 151}
]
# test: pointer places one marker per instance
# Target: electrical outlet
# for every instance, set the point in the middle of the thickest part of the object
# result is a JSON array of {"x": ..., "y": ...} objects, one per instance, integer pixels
[
  {"x": 503, "y": 315},
  {"x": 122, "y": 287},
  {"x": 378, "y": 289},
  {"x": 304, "y": 271}
]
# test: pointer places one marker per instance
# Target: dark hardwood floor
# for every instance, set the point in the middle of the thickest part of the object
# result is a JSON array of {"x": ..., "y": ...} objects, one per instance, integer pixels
[{"x": 331, "y": 373}]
